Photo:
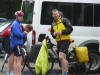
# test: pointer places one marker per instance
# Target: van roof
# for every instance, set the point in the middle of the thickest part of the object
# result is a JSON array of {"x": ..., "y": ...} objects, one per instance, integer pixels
[{"x": 76, "y": 1}]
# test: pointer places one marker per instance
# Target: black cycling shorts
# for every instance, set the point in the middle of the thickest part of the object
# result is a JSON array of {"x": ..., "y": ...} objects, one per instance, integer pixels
[
  {"x": 18, "y": 50},
  {"x": 63, "y": 46}
]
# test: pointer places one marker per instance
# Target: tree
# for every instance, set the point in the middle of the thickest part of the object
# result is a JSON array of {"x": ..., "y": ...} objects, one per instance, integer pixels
[{"x": 8, "y": 7}]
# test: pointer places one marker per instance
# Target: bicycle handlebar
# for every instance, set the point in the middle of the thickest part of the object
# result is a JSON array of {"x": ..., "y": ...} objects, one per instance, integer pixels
[{"x": 49, "y": 43}]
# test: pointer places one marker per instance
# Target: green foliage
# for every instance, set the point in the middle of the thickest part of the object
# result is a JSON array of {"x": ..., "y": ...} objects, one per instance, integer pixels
[{"x": 8, "y": 7}]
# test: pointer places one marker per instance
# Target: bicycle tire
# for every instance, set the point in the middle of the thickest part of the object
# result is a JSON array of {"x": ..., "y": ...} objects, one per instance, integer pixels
[
  {"x": 23, "y": 63},
  {"x": 51, "y": 61},
  {"x": 27, "y": 61},
  {"x": 83, "y": 69},
  {"x": 31, "y": 66},
  {"x": 93, "y": 62},
  {"x": 4, "y": 62}
]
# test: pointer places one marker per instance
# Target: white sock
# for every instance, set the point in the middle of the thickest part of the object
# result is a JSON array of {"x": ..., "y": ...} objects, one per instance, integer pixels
[
  {"x": 64, "y": 73},
  {"x": 8, "y": 73},
  {"x": 12, "y": 73}
]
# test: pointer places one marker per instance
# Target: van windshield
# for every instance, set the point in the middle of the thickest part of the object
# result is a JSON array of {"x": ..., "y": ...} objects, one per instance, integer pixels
[{"x": 27, "y": 8}]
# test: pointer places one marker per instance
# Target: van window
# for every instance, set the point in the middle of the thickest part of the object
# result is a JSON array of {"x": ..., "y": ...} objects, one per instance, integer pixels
[
  {"x": 97, "y": 15},
  {"x": 80, "y": 14},
  {"x": 27, "y": 8}
]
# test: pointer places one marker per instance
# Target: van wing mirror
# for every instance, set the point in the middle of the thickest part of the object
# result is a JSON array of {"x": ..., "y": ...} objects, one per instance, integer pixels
[{"x": 41, "y": 37}]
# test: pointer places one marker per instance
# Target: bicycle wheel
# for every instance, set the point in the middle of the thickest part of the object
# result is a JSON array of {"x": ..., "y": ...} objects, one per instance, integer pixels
[
  {"x": 83, "y": 69},
  {"x": 23, "y": 63},
  {"x": 4, "y": 62},
  {"x": 94, "y": 61},
  {"x": 51, "y": 61},
  {"x": 29, "y": 62},
  {"x": 31, "y": 65}
]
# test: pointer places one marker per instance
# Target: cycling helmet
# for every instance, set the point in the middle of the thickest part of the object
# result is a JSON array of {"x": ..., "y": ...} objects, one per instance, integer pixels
[{"x": 19, "y": 13}]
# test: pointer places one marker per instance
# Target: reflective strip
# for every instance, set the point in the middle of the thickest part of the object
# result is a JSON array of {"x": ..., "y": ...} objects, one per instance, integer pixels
[{"x": 18, "y": 49}]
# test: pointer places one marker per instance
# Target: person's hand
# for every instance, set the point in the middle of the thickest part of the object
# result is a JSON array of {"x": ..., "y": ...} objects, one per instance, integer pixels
[
  {"x": 59, "y": 32},
  {"x": 55, "y": 33},
  {"x": 26, "y": 32}
]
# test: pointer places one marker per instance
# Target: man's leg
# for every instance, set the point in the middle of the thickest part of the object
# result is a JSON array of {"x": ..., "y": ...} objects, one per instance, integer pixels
[
  {"x": 11, "y": 63},
  {"x": 17, "y": 65},
  {"x": 17, "y": 59},
  {"x": 64, "y": 63}
]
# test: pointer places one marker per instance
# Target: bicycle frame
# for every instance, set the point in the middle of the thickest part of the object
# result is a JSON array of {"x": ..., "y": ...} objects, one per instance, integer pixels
[{"x": 71, "y": 57}]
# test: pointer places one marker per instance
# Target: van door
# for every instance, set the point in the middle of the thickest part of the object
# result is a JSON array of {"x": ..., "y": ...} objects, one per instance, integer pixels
[{"x": 27, "y": 8}]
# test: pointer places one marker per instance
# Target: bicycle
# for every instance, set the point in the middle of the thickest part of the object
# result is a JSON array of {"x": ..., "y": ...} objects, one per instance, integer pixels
[
  {"x": 25, "y": 61},
  {"x": 4, "y": 62},
  {"x": 29, "y": 59},
  {"x": 74, "y": 65},
  {"x": 53, "y": 57}
]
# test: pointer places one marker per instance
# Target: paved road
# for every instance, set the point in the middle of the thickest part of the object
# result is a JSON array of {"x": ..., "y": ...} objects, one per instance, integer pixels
[{"x": 56, "y": 70}]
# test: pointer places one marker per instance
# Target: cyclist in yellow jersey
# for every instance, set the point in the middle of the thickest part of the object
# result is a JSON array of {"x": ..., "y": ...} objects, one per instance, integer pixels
[{"x": 61, "y": 29}]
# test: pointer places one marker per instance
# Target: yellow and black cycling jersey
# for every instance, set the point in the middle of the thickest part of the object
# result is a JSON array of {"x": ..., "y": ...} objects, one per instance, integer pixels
[{"x": 63, "y": 25}]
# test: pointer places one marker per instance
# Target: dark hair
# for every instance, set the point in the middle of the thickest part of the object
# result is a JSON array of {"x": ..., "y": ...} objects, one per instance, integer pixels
[
  {"x": 61, "y": 14},
  {"x": 30, "y": 27}
]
